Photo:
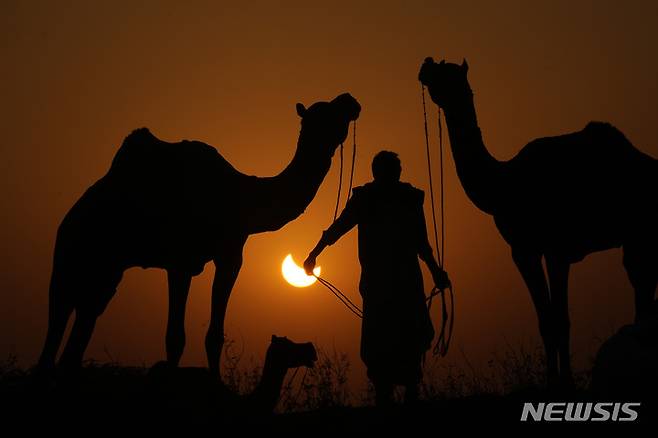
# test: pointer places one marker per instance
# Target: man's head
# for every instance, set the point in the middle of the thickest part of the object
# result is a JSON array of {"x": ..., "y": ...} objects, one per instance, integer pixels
[{"x": 386, "y": 167}]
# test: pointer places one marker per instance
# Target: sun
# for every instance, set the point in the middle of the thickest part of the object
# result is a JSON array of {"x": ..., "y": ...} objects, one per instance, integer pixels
[{"x": 296, "y": 275}]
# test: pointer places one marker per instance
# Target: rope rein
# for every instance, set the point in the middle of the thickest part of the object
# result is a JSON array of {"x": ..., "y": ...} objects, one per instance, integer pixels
[
  {"x": 429, "y": 171},
  {"x": 349, "y": 193},
  {"x": 441, "y": 184},
  {"x": 340, "y": 183},
  {"x": 356, "y": 310},
  {"x": 447, "y": 319},
  {"x": 340, "y": 177}
]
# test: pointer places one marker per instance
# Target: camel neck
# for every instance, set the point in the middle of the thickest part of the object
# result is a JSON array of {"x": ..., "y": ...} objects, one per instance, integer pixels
[
  {"x": 275, "y": 201},
  {"x": 477, "y": 169},
  {"x": 266, "y": 394}
]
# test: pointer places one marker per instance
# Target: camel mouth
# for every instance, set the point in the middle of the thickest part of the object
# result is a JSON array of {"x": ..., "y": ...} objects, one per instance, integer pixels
[
  {"x": 426, "y": 71},
  {"x": 311, "y": 355},
  {"x": 348, "y": 104}
]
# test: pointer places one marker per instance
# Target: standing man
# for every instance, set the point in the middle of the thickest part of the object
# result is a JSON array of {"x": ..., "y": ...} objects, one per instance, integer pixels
[{"x": 396, "y": 328}]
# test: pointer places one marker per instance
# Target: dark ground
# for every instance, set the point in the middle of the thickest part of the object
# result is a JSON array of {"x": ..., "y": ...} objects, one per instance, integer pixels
[{"x": 112, "y": 399}]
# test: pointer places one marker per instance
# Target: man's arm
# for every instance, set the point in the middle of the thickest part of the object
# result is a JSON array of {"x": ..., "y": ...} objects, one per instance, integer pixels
[{"x": 345, "y": 222}]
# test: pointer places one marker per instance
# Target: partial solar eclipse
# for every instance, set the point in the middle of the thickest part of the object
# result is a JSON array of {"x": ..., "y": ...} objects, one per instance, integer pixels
[{"x": 295, "y": 275}]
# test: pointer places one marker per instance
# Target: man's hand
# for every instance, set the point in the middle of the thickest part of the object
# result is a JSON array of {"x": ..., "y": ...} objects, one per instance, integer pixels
[
  {"x": 309, "y": 265},
  {"x": 441, "y": 280}
]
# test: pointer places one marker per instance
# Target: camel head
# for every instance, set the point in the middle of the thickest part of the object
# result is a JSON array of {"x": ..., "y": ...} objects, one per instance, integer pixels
[
  {"x": 325, "y": 125},
  {"x": 446, "y": 82},
  {"x": 286, "y": 354}
]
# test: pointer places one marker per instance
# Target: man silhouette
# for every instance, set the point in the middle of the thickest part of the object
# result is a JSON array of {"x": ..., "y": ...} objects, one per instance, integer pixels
[{"x": 396, "y": 330}]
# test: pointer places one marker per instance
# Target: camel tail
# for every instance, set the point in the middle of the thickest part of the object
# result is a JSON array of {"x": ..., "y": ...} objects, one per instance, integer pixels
[{"x": 59, "y": 312}]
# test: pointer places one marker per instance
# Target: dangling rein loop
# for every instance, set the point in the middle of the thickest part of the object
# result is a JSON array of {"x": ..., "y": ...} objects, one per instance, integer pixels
[{"x": 447, "y": 319}]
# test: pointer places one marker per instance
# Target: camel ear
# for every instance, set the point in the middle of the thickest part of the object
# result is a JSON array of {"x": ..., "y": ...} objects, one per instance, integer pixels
[
  {"x": 301, "y": 109},
  {"x": 465, "y": 66}
]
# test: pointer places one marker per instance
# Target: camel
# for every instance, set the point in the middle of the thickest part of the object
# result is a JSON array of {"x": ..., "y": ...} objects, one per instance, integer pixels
[
  {"x": 626, "y": 365},
  {"x": 177, "y": 206},
  {"x": 559, "y": 199},
  {"x": 186, "y": 383}
]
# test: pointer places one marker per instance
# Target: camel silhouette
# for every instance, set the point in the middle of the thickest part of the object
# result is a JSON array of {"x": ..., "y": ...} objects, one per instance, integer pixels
[
  {"x": 177, "y": 206},
  {"x": 560, "y": 198},
  {"x": 181, "y": 384},
  {"x": 626, "y": 365}
]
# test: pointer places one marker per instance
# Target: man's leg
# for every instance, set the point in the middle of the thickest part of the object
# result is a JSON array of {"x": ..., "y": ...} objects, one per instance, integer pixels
[
  {"x": 383, "y": 393},
  {"x": 411, "y": 393},
  {"x": 414, "y": 377}
]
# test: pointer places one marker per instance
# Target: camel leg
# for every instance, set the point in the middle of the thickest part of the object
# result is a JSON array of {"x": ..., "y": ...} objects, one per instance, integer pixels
[
  {"x": 59, "y": 312},
  {"x": 642, "y": 270},
  {"x": 532, "y": 271},
  {"x": 179, "y": 286},
  {"x": 226, "y": 272},
  {"x": 76, "y": 345},
  {"x": 92, "y": 304},
  {"x": 558, "y": 276},
  {"x": 57, "y": 319}
]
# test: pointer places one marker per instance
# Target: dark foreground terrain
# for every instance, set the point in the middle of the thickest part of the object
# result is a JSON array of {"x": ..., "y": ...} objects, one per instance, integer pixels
[{"x": 113, "y": 399}]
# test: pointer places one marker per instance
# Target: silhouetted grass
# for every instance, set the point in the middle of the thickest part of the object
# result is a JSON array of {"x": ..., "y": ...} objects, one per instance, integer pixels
[
  {"x": 238, "y": 376},
  {"x": 453, "y": 391},
  {"x": 515, "y": 369},
  {"x": 512, "y": 370},
  {"x": 323, "y": 386}
]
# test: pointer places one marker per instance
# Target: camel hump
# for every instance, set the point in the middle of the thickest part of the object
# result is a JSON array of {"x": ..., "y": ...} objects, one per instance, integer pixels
[
  {"x": 135, "y": 148},
  {"x": 606, "y": 132},
  {"x": 139, "y": 136}
]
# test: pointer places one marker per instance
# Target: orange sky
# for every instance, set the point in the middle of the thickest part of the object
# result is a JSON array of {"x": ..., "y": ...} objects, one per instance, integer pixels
[{"x": 78, "y": 76}]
